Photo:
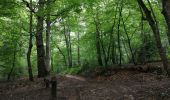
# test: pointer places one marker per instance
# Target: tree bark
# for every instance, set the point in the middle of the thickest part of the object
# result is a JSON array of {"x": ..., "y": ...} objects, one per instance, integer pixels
[
  {"x": 166, "y": 13},
  {"x": 143, "y": 41},
  {"x": 68, "y": 46},
  {"x": 78, "y": 49},
  {"x": 129, "y": 43},
  {"x": 41, "y": 64},
  {"x": 52, "y": 56},
  {"x": 118, "y": 36},
  {"x": 98, "y": 48},
  {"x": 52, "y": 64},
  {"x": 104, "y": 52},
  {"x": 64, "y": 57},
  {"x": 13, "y": 64},
  {"x": 48, "y": 34},
  {"x": 113, "y": 53},
  {"x": 112, "y": 39},
  {"x": 156, "y": 32},
  {"x": 30, "y": 45}
]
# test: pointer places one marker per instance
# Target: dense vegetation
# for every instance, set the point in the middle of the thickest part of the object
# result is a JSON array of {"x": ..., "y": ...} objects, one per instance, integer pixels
[{"x": 39, "y": 37}]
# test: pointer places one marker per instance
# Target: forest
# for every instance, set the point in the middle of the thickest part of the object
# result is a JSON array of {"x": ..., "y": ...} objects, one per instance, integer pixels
[{"x": 84, "y": 49}]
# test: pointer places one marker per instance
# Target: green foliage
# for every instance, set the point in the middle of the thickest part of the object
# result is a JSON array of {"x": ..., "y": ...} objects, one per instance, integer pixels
[
  {"x": 74, "y": 70},
  {"x": 148, "y": 51},
  {"x": 65, "y": 70},
  {"x": 77, "y": 17}
]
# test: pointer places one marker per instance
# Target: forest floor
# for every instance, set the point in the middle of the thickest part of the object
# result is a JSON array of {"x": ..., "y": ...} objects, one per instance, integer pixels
[{"x": 121, "y": 85}]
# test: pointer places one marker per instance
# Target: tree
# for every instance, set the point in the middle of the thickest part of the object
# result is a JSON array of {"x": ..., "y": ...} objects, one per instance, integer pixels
[
  {"x": 153, "y": 24},
  {"x": 48, "y": 35},
  {"x": 118, "y": 34},
  {"x": 41, "y": 63},
  {"x": 13, "y": 63},
  {"x": 98, "y": 45},
  {"x": 68, "y": 43},
  {"x": 80, "y": 32},
  {"x": 166, "y": 13},
  {"x": 30, "y": 44}
]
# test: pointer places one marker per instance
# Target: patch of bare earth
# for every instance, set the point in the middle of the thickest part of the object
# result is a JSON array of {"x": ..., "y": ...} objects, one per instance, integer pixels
[{"x": 120, "y": 85}]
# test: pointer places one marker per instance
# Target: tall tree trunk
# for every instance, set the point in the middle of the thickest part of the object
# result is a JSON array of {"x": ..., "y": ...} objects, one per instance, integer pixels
[
  {"x": 129, "y": 43},
  {"x": 104, "y": 52},
  {"x": 64, "y": 57},
  {"x": 124, "y": 44},
  {"x": 51, "y": 54},
  {"x": 143, "y": 40},
  {"x": 166, "y": 13},
  {"x": 78, "y": 49},
  {"x": 30, "y": 45},
  {"x": 118, "y": 36},
  {"x": 48, "y": 34},
  {"x": 52, "y": 64},
  {"x": 112, "y": 39},
  {"x": 67, "y": 41},
  {"x": 98, "y": 48},
  {"x": 156, "y": 32},
  {"x": 67, "y": 45},
  {"x": 70, "y": 48},
  {"x": 113, "y": 53},
  {"x": 41, "y": 64},
  {"x": 13, "y": 64}
]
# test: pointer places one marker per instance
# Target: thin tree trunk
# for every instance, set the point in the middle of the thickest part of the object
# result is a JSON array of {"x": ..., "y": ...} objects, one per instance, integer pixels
[
  {"x": 113, "y": 53},
  {"x": 70, "y": 47},
  {"x": 67, "y": 45},
  {"x": 65, "y": 61},
  {"x": 104, "y": 52},
  {"x": 124, "y": 44},
  {"x": 166, "y": 13},
  {"x": 41, "y": 64},
  {"x": 156, "y": 32},
  {"x": 118, "y": 36},
  {"x": 78, "y": 49},
  {"x": 99, "y": 57},
  {"x": 48, "y": 34},
  {"x": 52, "y": 64},
  {"x": 143, "y": 38},
  {"x": 111, "y": 44},
  {"x": 13, "y": 64},
  {"x": 129, "y": 42},
  {"x": 52, "y": 57},
  {"x": 30, "y": 46},
  {"x": 112, "y": 39},
  {"x": 143, "y": 41}
]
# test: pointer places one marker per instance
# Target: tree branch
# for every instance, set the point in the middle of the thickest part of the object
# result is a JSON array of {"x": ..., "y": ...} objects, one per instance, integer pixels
[{"x": 28, "y": 6}]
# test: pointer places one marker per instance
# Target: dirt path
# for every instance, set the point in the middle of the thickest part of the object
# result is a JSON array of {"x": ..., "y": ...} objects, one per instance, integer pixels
[{"x": 124, "y": 85}]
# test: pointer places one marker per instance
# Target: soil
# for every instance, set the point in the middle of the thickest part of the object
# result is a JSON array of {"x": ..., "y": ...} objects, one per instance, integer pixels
[{"x": 120, "y": 85}]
